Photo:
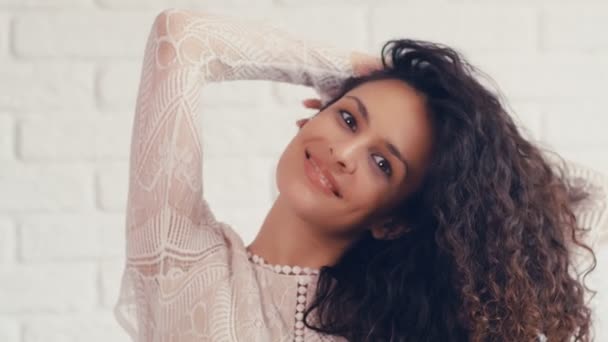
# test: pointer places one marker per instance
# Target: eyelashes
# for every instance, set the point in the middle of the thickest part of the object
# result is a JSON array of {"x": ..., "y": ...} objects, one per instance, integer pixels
[
  {"x": 352, "y": 118},
  {"x": 351, "y": 122}
]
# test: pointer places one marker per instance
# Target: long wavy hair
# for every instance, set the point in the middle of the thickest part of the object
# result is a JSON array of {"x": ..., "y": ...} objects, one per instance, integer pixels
[{"x": 492, "y": 230}]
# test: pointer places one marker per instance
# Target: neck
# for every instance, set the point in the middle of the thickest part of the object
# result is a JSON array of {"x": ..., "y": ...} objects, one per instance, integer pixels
[{"x": 287, "y": 239}]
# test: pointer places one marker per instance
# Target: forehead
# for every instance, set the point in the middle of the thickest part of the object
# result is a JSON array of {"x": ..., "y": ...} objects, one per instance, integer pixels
[{"x": 390, "y": 98}]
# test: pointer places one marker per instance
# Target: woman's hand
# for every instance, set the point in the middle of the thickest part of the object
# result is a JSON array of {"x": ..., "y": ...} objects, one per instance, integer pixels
[
  {"x": 312, "y": 103},
  {"x": 362, "y": 64}
]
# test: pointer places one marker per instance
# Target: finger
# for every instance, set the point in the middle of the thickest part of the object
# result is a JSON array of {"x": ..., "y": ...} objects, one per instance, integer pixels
[{"x": 312, "y": 103}]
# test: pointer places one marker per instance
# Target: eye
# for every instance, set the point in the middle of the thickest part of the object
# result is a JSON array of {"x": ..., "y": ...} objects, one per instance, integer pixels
[
  {"x": 349, "y": 119},
  {"x": 384, "y": 165}
]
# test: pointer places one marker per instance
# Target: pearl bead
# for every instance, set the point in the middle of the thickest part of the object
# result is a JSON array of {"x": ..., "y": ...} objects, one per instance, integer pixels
[{"x": 283, "y": 269}]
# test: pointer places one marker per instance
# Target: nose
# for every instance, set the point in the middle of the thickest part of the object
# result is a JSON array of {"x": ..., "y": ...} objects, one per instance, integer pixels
[{"x": 344, "y": 158}]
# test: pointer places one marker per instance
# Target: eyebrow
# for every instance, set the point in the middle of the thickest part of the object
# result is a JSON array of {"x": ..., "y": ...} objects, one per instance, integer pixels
[{"x": 389, "y": 146}]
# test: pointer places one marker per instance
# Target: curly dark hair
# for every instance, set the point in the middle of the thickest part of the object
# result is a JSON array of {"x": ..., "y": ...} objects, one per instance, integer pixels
[{"x": 489, "y": 254}]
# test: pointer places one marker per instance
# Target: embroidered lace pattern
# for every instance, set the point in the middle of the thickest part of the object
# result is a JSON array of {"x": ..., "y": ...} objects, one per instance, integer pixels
[
  {"x": 187, "y": 275},
  {"x": 303, "y": 280}
]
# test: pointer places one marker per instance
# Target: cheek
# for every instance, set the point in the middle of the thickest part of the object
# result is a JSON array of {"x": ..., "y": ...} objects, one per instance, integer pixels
[
  {"x": 367, "y": 190},
  {"x": 287, "y": 166},
  {"x": 372, "y": 195}
]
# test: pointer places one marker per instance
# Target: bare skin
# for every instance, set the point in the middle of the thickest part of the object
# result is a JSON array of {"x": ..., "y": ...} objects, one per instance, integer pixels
[{"x": 311, "y": 228}]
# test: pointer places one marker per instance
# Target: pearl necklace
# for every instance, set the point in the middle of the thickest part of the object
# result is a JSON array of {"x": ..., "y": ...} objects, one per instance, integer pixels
[
  {"x": 281, "y": 269},
  {"x": 303, "y": 281}
]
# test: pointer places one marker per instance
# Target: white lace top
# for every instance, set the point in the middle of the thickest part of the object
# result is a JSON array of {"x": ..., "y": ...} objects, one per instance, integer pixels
[{"x": 188, "y": 277}]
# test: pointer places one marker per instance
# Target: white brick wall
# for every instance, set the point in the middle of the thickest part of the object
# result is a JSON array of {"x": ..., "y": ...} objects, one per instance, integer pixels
[{"x": 69, "y": 71}]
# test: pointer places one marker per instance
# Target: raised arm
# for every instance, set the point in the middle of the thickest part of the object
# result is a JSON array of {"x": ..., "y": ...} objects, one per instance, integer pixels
[{"x": 166, "y": 212}]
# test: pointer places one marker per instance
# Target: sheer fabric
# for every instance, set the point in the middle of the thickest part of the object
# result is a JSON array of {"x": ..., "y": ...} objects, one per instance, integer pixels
[{"x": 187, "y": 276}]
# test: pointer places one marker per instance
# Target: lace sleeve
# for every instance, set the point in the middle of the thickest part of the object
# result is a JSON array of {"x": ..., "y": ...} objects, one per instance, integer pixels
[
  {"x": 186, "y": 49},
  {"x": 169, "y": 226}
]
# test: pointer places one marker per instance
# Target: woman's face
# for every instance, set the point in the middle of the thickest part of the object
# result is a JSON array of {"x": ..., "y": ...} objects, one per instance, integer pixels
[{"x": 375, "y": 142}]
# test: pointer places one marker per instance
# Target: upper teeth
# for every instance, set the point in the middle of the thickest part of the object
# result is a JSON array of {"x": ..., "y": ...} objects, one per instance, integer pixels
[{"x": 321, "y": 176}]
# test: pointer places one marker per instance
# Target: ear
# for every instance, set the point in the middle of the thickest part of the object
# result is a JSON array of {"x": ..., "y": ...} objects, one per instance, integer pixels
[{"x": 389, "y": 229}]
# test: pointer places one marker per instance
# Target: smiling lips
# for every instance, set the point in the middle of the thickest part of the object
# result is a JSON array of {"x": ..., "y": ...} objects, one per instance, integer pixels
[{"x": 327, "y": 181}]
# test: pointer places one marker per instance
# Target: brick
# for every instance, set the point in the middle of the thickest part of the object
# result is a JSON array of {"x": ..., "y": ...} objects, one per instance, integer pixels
[
  {"x": 9, "y": 329},
  {"x": 593, "y": 157},
  {"x": 230, "y": 132},
  {"x": 315, "y": 3},
  {"x": 59, "y": 237},
  {"x": 528, "y": 117},
  {"x": 567, "y": 27},
  {"x": 4, "y": 34},
  {"x": 111, "y": 277},
  {"x": 72, "y": 138},
  {"x": 112, "y": 235},
  {"x": 329, "y": 26},
  {"x": 193, "y": 4},
  {"x": 99, "y": 326},
  {"x": 468, "y": 27},
  {"x": 225, "y": 183},
  {"x": 47, "y": 288},
  {"x": 112, "y": 183},
  {"x": 46, "y": 85},
  {"x": 35, "y": 187},
  {"x": 343, "y": 27},
  {"x": 81, "y": 34},
  {"x": 7, "y": 128},
  {"x": 8, "y": 243},
  {"x": 42, "y": 4},
  {"x": 292, "y": 95},
  {"x": 546, "y": 77},
  {"x": 117, "y": 85},
  {"x": 71, "y": 237},
  {"x": 539, "y": 3},
  {"x": 575, "y": 125}
]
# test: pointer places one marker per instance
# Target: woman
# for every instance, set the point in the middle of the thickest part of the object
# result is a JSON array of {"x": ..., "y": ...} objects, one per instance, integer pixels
[{"x": 410, "y": 207}]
